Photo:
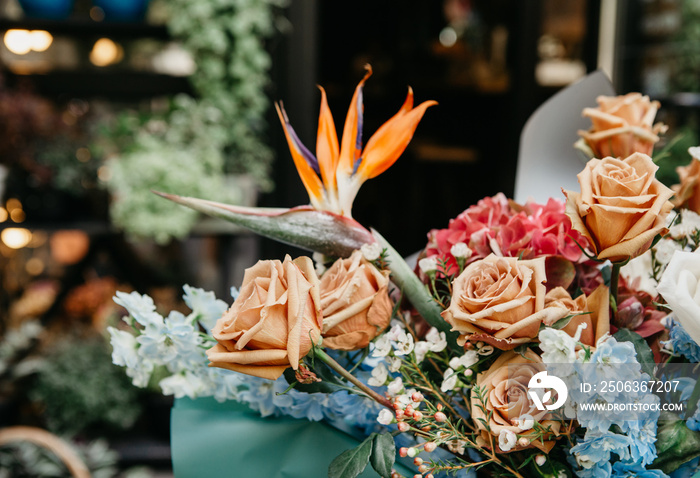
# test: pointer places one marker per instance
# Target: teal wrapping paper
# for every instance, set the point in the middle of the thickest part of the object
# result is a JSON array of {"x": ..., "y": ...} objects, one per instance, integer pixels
[{"x": 212, "y": 439}]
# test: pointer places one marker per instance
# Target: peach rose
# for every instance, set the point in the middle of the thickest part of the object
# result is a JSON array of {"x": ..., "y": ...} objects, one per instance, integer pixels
[
  {"x": 274, "y": 321},
  {"x": 504, "y": 387},
  {"x": 500, "y": 300},
  {"x": 687, "y": 192},
  {"x": 622, "y": 125},
  {"x": 597, "y": 312},
  {"x": 621, "y": 207},
  {"x": 355, "y": 303}
]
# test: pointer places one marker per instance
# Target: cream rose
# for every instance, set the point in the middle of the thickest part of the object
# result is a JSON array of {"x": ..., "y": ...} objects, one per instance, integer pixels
[
  {"x": 274, "y": 321},
  {"x": 680, "y": 287},
  {"x": 507, "y": 405},
  {"x": 355, "y": 303},
  {"x": 621, "y": 207},
  {"x": 595, "y": 310},
  {"x": 500, "y": 300},
  {"x": 622, "y": 125}
]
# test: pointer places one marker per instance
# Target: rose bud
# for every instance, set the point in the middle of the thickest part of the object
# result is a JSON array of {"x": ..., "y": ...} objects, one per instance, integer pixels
[
  {"x": 273, "y": 323},
  {"x": 355, "y": 303}
]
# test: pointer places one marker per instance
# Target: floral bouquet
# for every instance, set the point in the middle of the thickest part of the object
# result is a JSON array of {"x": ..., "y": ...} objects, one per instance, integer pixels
[{"x": 549, "y": 340}]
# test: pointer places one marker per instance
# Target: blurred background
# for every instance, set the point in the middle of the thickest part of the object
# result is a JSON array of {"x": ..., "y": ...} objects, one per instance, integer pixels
[{"x": 102, "y": 101}]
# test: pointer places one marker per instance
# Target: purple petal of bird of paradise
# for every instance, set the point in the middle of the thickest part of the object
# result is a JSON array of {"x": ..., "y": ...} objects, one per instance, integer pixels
[
  {"x": 303, "y": 226},
  {"x": 305, "y": 152}
]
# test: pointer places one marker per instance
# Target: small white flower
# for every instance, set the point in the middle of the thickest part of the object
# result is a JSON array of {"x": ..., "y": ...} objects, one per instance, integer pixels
[
  {"x": 404, "y": 344},
  {"x": 382, "y": 346},
  {"x": 665, "y": 249},
  {"x": 371, "y": 252},
  {"x": 461, "y": 251},
  {"x": 526, "y": 422},
  {"x": 457, "y": 446},
  {"x": 437, "y": 340},
  {"x": 558, "y": 346},
  {"x": 507, "y": 440},
  {"x": 379, "y": 376},
  {"x": 427, "y": 265},
  {"x": 394, "y": 363},
  {"x": 395, "y": 387},
  {"x": 690, "y": 221},
  {"x": 466, "y": 360},
  {"x": 420, "y": 349},
  {"x": 397, "y": 330},
  {"x": 319, "y": 261},
  {"x": 385, "y": 417},
  {"x": 540, "y": 460},
  {"x": 449, "y": 380}
]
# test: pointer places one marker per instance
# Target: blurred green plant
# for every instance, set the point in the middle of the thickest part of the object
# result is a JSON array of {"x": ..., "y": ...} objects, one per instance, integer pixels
[
  {"x": 189, "y": 147},
  {"x": 78, "y": 388},
  {"x": 686, "y": 49},
  {"x": 675, "y": 154}
]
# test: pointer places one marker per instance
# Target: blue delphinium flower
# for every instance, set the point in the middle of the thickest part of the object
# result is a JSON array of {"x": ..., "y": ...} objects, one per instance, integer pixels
[
  {"x": 205, "y": 306},
  {"x": 681, "y": 343},
  {"x": 623, "y": 469},
  {"x": 597, "y": 447}
]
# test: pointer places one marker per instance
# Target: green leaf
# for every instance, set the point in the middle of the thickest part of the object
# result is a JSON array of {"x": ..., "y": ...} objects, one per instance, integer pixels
[
  {"x": 676, "y": 444},
  {"x": 383, "y": 454},
  {"x": 644, "y": 354},
  {"x": 303, "y": 226},
  {"x": 352, "y": 462},
  {"x": 414, "y": 290}
]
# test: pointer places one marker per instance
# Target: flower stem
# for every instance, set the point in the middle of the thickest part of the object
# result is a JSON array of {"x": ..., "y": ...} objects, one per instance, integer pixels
[
  {"x": 328, "y": 360},
  {"x": 614, "y": 279}
]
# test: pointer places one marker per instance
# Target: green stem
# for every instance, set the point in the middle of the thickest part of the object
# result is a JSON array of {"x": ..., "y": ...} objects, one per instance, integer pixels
[
  {"x": 614, "y": 280},
  {"x": 328, "y": 360}
]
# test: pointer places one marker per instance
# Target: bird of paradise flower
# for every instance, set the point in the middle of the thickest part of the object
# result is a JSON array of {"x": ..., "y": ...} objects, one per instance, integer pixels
[{"x": 333, "y": 177}]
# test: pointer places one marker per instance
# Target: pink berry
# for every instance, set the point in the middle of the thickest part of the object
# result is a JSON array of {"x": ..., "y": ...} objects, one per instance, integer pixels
[
  {"x": 430, "y": 446},
  {"x": 403, "y": 451}
]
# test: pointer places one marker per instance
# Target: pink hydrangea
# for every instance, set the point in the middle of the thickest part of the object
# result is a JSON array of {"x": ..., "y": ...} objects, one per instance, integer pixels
[{"x": 505, "y": 228}]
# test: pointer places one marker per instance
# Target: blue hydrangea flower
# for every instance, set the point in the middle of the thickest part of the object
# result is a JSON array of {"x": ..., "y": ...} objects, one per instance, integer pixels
[{"x": 623, "y": 469}]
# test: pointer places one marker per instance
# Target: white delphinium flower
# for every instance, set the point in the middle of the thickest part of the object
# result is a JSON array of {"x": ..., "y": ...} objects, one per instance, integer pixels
[
  {"x": 371, "y": 252},
  {"x": 125, "y": 354},
  {"x": 469, "y": 358},
  {"x": 461, "y": 251},
  {"x": 385, "y": 417},
  {"x": 395, "y": 387},
  {"x": 507, "y": 440},
  {"x": 382, "y": 346},
  {"x": 449, "y": 380},
  {"x": 185, "y": 384},
  {"x": 664, "y": 250},
  {"x": 379, "y": 376},
  {"x": 394, "y": 363},
  {"x": 428, "y": 265},
  {"x": 437, "y": 340},
  {"x": 140, "y": 307},
  {"x": 558, "y": 346}
]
